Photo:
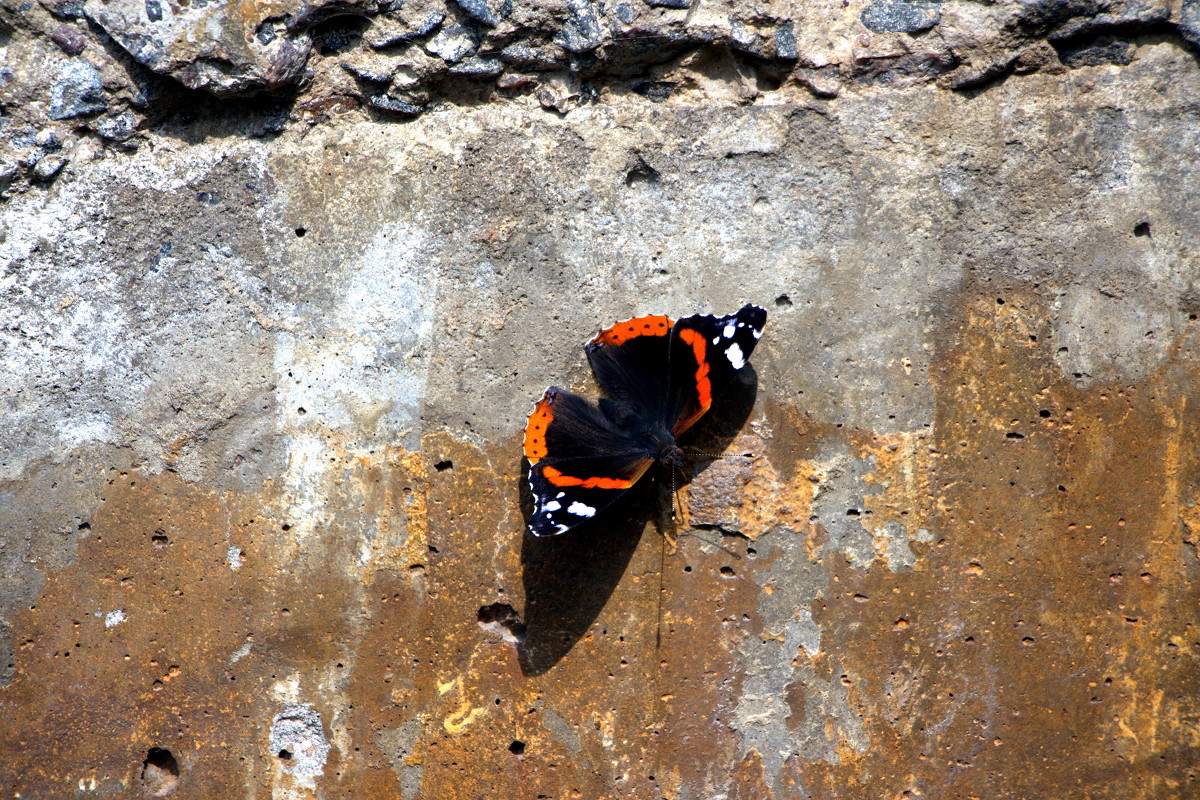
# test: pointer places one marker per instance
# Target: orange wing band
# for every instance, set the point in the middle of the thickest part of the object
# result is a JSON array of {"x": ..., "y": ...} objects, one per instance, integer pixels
[
  {"x": 622, "y": 332},
  {"x": 535, "y": 428},
  {"x": 559, "y": 478},
  {"x": 703, "y": 384}
]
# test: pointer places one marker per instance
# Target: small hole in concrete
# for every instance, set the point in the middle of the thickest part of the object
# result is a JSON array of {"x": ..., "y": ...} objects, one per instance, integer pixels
[
  {"x": 783, "y": 301},
  {"x": 727, "y": 571},
  {"x": 501, "y": 618},
  {"x": 1141, "y": 229},
  {"x": 1014, "y": 435},
  {"x": 160, "y": 772},
  {"x": 285, "y": 755},
  {"x": 442, "y": 466},
  {"x": 160, "y": 539},
  {"x": 517, "y": 747},
  {"x": 300, "y": 232},
  {"x": 1044, "y": 413}
]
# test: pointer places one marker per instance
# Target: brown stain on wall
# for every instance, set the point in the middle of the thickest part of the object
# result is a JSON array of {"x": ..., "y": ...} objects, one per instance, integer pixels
[{"x": 1042, "y": 643}]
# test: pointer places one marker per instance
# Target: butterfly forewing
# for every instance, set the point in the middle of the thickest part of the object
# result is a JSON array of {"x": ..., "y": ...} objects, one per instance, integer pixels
[
  {"x": 705, "y": 353},
  {"x": 629, "y": 360}
]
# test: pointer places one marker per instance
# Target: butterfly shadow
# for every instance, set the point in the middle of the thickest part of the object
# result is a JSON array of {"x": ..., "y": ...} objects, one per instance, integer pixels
[{"x": 568, "y": 578}]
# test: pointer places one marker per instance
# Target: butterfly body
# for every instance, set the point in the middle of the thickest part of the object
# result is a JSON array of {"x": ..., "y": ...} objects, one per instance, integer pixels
[{"x": 660, "y": 376}]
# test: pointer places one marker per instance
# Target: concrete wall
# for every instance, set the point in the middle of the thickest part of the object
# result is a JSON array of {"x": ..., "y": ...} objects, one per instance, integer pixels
[{"x": 281, "y": 282}]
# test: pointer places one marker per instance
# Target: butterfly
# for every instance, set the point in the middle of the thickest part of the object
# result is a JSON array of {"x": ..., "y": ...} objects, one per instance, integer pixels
[{"x": 659, "y": 376}]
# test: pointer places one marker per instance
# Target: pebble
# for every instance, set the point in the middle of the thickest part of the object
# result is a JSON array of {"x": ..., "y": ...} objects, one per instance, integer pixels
[
  {"x": 453, "y": 44},
  {"x": 77, "y": 92}
]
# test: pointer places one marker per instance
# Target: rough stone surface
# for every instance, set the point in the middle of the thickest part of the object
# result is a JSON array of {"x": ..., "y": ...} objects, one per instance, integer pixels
[{"x": 265, "y": 361}]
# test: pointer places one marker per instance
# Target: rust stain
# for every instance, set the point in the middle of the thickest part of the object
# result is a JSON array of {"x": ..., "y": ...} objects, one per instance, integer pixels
[
  {"x": 1032, "y": 640},
  {"x": 1039, "y": 622}
]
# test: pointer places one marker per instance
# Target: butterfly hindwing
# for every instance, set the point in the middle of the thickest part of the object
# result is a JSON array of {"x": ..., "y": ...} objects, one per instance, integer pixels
[
  {"x": 705, "y": 353},
  {"x": 579, "y": 461}
]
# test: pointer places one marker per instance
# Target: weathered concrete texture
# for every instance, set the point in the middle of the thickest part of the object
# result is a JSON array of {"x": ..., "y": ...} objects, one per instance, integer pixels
[
  {"x": 264, "y": 384},
  {"x": 98, "y": 74}
]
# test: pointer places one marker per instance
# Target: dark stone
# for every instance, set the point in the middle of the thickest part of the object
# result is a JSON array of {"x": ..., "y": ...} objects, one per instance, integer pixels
[
  {"x": 77, "y": 92},
  {"x": 670, "y": 3},
  {"x": 1189, "y": 21},
  {"x": 370, "y": 72},
  {"x": 428, "y": 25},
  {"x": 266, "y": 32},
  {"x": 657, "y": 91},
  {"x": 116, "y": 128},
  {"x": 625, "y": 13},
  {"x": 48, "y": 168},
  {"x": 153, "y": 11},
  {"x": 531, "y": 58},
  {"x": 901, "y": 16},
  {"x": 48, "y": 141},
  {"x": 785, "y": 42},
  {"x": 489, "y": 12},
  {"x": 66, "y": 9},
  {"x": 69, "y": 39},
  {"x": 394, "y": 105},
  {"x": 1095, "y": 52},
  {"x": 582, "y": 31},
  {"x": 482, "y": 67},
  {"x": 339, "y": 34},
  {"x": 1037, "y": 16}
]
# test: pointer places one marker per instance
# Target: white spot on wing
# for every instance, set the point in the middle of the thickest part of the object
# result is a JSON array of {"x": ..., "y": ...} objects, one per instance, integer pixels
[
  {"x": 580, "y": 509},
  {"x": 553, "y": 505},
  {"x": 729, "y": 329},
  {"x": 757, "y": 333},
  {"x": 734, "y": 354}
]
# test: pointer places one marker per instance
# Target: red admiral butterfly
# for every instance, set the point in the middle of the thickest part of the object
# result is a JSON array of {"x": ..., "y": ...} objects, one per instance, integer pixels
[{"x": 660, "y": 376}]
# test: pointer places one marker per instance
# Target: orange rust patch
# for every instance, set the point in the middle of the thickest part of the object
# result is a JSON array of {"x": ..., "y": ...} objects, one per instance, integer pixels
[
  {"x": 536, "y": 426},
  {"x": 1017, "y": 644},
  {"x": 622, "y": 332}
]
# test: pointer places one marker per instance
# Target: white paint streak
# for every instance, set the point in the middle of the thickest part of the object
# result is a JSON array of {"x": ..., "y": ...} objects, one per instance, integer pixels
[
  {"x": 365, "y": 375},
  {"x": 114, "y": 618}
]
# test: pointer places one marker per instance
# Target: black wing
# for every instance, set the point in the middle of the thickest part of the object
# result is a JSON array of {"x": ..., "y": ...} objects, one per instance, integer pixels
[
  {"x": 579, "y": 461},
  {"x": 629, "y": 360},
  {"x": 705, "y": 353}
]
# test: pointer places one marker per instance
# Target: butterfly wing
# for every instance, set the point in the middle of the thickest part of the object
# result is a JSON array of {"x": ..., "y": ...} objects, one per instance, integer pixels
[
  {"x": 629, "y": 360},
  {"x": 579, "y": 461},
  {"x": 705, "y": 353}
]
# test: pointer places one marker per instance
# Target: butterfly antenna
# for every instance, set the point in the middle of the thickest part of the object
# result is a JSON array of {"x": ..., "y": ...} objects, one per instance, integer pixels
[{"x": 721, "y": 455}]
